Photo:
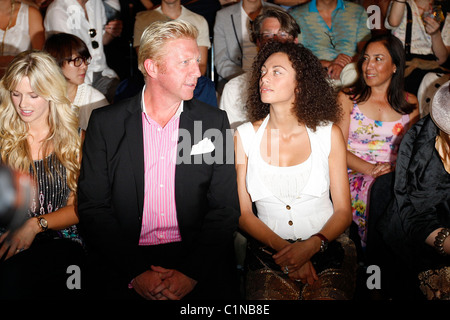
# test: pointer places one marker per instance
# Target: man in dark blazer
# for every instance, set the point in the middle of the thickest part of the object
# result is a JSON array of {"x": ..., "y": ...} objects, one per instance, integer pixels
[{"x": 115, "y": 205}]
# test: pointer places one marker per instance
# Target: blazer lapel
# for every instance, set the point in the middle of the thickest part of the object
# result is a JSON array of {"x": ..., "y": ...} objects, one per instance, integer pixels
[{"x": 134, "y": 135}]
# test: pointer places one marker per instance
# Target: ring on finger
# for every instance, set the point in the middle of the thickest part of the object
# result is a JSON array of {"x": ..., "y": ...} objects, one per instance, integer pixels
[{"x": 286, "y": 270}]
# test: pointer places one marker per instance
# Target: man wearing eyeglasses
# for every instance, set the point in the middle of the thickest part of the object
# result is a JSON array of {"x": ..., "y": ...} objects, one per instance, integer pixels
[
  {"x": 87, "y": 20},
  {"x": 273, "y": 24},
  {"x": 332, "y": 30}
]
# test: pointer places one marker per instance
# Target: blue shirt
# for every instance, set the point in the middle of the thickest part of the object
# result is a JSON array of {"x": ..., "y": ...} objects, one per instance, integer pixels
[{"x": 348, "y": 27}]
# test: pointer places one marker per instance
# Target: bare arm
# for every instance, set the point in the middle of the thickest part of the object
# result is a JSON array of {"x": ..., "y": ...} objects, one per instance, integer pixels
[{"x": 36, "y": 28}]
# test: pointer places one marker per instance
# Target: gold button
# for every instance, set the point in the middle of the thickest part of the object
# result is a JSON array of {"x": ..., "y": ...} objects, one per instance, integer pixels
[
  {"x": 290, "y": 222},
  {"x": 288, "y": 207}
]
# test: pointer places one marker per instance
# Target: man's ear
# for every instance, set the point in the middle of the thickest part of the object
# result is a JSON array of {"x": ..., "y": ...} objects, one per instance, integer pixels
[
  {"x": 151, "y": 67},
  {"x": 296, "y": 40}
]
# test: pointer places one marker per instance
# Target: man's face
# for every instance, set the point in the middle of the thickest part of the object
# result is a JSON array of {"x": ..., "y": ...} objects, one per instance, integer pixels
[
  {"x": 270, "y": 31},
  {"x": 178, "y": 69}
]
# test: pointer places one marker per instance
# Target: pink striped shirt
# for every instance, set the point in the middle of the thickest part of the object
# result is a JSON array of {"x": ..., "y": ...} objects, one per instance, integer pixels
[{"x": 159, "y": 219}]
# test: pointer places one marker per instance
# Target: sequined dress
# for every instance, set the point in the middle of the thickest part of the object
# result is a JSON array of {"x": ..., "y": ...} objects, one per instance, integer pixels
[
  {"x": 51, "y": 193},
  {"x": 373, "y": 141}
]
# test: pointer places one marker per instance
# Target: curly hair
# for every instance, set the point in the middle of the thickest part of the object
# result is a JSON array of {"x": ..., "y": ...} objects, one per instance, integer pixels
[
  {"x": 47, "y": 81},
  {"x": 315, "y": 100}
]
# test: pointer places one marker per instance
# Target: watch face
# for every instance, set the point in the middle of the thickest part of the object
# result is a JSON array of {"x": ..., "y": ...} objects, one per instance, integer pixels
[{"x": 43, "y": 222}]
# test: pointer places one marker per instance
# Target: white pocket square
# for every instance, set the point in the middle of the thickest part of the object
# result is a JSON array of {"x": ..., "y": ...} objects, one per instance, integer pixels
[{"x": 204, "y": 146}]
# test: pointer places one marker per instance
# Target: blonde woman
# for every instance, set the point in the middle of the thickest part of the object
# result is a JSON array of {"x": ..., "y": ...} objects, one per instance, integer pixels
[{"x": 39, "y": 136}]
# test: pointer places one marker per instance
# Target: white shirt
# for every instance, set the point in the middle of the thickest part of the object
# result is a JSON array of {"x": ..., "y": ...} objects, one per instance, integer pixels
[
  {"x": 420, "y": 39},
  {"x": 304, "y": 207},
  {"x": 17, "y": 38},
  {"x": 234, "y": 98},
  {"x": 145, "y": 18},
  {"x": 87, "y": 99},
  {"x": 68, "y": 16}
]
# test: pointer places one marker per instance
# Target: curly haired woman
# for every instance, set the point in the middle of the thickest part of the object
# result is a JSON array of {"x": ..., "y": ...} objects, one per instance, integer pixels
[
  {"x": 289, "y": 158},
  {"x": 39, "y": 136}
]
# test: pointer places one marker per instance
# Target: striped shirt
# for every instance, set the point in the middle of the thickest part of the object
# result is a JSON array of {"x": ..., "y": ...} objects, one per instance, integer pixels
[
  {"x": 349, "y": 26},
  {"x": 159, "y": 218}
]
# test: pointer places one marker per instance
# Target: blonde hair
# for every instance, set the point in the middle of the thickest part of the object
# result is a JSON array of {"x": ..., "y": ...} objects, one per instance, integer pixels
[
  {"x": 157, "y": 34},
  {"x": 47, "y": 81}
]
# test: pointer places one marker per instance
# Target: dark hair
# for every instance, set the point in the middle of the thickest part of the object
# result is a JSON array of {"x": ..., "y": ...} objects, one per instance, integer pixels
[
  {"x": 395, "y": 93},
  {"x": 287, "y": 22},
  {"x": 62, "y": 45},
  {"x": 315, "y": 100}
]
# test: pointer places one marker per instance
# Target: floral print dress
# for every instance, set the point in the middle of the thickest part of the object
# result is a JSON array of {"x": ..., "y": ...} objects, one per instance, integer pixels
[{"x": 373, "y": 141}]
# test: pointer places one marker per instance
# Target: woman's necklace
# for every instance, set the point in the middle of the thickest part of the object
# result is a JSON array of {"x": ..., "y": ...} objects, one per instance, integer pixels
[{"x": 13, "y": 3}]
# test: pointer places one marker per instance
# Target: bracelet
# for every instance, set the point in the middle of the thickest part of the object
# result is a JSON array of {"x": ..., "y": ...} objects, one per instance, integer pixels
[
  {"x": 439, "y": 240},
  {"x": 400, "y": 1}
]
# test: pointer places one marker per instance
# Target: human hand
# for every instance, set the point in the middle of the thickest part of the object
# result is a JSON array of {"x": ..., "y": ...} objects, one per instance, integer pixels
[
  {"x": 306, "y": 274},
  {"x": 342, "y": 59},
  {"x": 431, "y": 25},
  {"x": 174, "y": 286},
  {"x": 145, "y": 284},
  {"x": 293, "y": 256},
  {"x": 380, "y": 168},
  {"x": 19, "y": 240},
  {"x": 334, "y": 71},
  {"x": 114, "y": 28}
]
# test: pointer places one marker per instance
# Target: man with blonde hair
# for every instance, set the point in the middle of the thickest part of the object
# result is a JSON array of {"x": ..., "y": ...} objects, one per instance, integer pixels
[{"x": 157, "y": 190}]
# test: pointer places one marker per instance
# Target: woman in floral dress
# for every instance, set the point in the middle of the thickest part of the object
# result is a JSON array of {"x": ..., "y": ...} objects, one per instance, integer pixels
[{"x": 377, "y": 113}]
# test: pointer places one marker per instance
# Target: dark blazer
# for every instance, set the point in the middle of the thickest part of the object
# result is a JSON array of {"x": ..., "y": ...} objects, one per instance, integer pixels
[{"x": 111, "y": 188}]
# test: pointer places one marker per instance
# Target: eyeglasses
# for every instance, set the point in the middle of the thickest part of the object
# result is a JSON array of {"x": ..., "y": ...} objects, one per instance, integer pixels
[
  {"x": 93, "y": 33},
  {"x": 79, "y": 60},
  {"x": 331, "y": 38},
  {"x": 269, "y": 35}
]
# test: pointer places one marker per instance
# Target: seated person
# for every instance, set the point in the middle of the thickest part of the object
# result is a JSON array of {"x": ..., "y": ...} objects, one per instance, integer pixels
[
  {"x": 72, "y": 55},
  {"x": 89, "y": 23},
  {"x": 21, "y": 29},
  {"x": 333, "y": 30},
  {"x": 173, "y": 10},
  {"x": 273, "y": 24},
  {"x": 233, "y": 50},
  {"x": 416, "y": 225}
]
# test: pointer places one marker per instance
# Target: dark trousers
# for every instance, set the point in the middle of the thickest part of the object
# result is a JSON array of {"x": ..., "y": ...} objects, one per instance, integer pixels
[{"x": 49, "y": 269}]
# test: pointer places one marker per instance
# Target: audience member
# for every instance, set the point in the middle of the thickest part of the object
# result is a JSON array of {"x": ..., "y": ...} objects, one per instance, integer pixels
[
  {"x": 289, "y": 4},
  {"x": 72, "y": 55},
  {"x": 377, "y": 114},
  {"x": 87, "y": 20},
  {"x": 289, "y": 158},
  {"x": 21, "y": 29},
  {"x": 173, "y": 10},
  {"x": 158, "y": 216},
  {"x": 426, "y": 47},
  {"x": 273, "y": 24},
  {"x": 233, "y": 50},
  {"x": 206, "y": 8},
  {"x": 334, "y": 30},
  {"x": 38, "y": 136},
  {"x": 416, "y": 224}
]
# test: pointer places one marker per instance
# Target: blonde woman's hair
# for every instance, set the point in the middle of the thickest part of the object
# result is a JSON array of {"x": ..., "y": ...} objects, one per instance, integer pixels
[
  {"x": 157, "y": 34},
  {"x": 47, "y": 81}
]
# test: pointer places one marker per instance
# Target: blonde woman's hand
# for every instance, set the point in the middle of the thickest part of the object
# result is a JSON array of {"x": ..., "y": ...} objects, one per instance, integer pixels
[{"x": 19, "y": 240}]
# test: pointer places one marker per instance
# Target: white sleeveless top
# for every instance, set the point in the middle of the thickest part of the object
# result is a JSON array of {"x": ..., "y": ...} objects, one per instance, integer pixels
[
  {"x": 17, "y": 38},
  {"x": 293, "y": 201}
]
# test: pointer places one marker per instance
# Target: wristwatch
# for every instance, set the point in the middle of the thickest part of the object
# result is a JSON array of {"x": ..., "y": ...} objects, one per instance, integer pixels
[
  {"x": 43, "y": 224},
  {"x": 324, "y": 244}
]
